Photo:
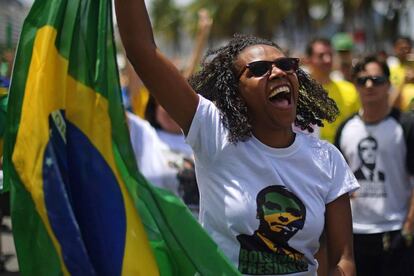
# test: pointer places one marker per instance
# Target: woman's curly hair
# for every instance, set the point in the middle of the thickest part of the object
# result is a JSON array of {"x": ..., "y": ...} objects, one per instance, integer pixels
[{"x": 217, "y": 81}]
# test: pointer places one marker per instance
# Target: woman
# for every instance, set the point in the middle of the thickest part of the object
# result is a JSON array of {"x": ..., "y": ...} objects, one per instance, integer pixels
[{"x": 266, "y": 192}]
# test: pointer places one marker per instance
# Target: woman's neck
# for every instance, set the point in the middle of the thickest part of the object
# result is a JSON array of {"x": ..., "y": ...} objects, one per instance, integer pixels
[{"x": 276, "y": 138}]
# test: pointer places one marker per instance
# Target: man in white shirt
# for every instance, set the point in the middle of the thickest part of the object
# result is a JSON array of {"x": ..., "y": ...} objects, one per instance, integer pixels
[{"x": 377, "y": 143}]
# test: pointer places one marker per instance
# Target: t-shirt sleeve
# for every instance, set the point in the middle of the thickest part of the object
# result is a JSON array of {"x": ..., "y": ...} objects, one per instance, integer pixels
[
  {"x": 343, "y": 180},
  {"x": 207, "y": 134}
]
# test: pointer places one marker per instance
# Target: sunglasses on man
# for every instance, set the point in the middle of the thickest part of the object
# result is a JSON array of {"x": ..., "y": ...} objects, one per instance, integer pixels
[
  {"x": 261, "y": 68},
  {"x": 376, "y": 80}
]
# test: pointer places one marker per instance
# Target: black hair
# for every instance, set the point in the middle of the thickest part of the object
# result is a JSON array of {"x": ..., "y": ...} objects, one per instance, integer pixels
[
  {"x": 309, "y": 46},
  {"x": 362, "y": 63},
  {"x": 217, "y": 81},
  {"x": 151, "y": 112},
  {"x": 282, "y": 190},
  {"x": 402, "y": 38},
  {"x": 369, "y": 139}
]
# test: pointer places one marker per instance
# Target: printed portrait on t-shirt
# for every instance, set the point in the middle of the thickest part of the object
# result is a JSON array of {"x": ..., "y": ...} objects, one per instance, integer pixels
[
  {"x": 267, "y": 252},
  {"x": 368, "y": 175}
]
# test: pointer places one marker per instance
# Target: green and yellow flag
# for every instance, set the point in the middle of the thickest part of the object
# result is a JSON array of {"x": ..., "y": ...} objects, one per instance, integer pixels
[{"x": 79, "y": 206}]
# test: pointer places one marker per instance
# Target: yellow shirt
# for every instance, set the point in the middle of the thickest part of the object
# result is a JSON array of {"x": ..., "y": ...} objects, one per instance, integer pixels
[
  {"x": 407, "y": 93},
  {"x": 407, "y": 97},
  {"x": 347, "y": 100},
  {"x": 397, "y": 74},
  {"x": 139, "y": 100}
]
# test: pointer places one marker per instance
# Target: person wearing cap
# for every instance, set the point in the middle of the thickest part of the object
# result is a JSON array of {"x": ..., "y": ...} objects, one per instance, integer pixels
[
  {"x": 320, "y": 61},
  {"x": 343, "y": 45}
]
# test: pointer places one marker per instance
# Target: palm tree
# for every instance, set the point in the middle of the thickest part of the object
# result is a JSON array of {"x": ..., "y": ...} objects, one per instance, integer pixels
[
  {"x": 167, "y": 19},
  {"x": 297, "y": 20},
  {"x": 261, "y": 17}
]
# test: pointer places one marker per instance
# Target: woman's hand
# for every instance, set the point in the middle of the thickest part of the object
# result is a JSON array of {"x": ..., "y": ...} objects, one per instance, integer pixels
[{"x": 338, "y": 225}]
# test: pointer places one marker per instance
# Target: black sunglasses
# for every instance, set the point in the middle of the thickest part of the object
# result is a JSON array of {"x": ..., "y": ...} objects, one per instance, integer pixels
[
  {"x": 376, "y": 80},
  {"x": 263, "y": 67}
]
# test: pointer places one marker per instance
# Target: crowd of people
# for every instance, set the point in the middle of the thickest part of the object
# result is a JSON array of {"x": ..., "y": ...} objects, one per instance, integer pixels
[
  {"x": 293, "y": 166},
  {"x": 299, "y": 168}
]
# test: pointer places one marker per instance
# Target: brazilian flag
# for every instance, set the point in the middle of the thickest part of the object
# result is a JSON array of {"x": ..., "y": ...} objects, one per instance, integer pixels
[{"x": 79, "y": 205}]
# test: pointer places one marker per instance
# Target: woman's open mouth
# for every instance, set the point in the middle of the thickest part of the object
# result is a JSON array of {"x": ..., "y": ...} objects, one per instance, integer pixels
[{"x": 281, "y": 96}]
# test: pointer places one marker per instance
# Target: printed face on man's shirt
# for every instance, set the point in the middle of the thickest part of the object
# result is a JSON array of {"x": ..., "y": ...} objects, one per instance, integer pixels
[
  {"x": 280, "y": 211},
  {"x": 368, "y": 151}
]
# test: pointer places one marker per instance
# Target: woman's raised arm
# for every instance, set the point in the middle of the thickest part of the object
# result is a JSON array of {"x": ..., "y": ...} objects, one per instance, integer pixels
[{"x": 159, "y": 75}]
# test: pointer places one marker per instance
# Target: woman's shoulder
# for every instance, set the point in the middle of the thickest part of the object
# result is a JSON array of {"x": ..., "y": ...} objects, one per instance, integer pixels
[
  {"x": 204, "y": 102},
  {"x": 320, "y": 147},
  {"x": 208, "y": 116},
  {"x": 328, "y": 160},
  {"x": 312, "y": 140}
]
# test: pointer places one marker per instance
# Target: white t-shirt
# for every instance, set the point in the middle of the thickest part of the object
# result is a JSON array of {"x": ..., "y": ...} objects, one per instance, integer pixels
[
  {"x": 154, "y": 158},
  {"x": 175, "y": 142},
  {"x": 230, "y": 177},
  {"x": 160, "y": 156},
  {"x": 381, "y": 204}
]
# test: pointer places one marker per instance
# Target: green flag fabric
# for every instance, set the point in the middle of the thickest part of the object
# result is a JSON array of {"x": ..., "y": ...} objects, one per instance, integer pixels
[{"x": 78, "y": 204}]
